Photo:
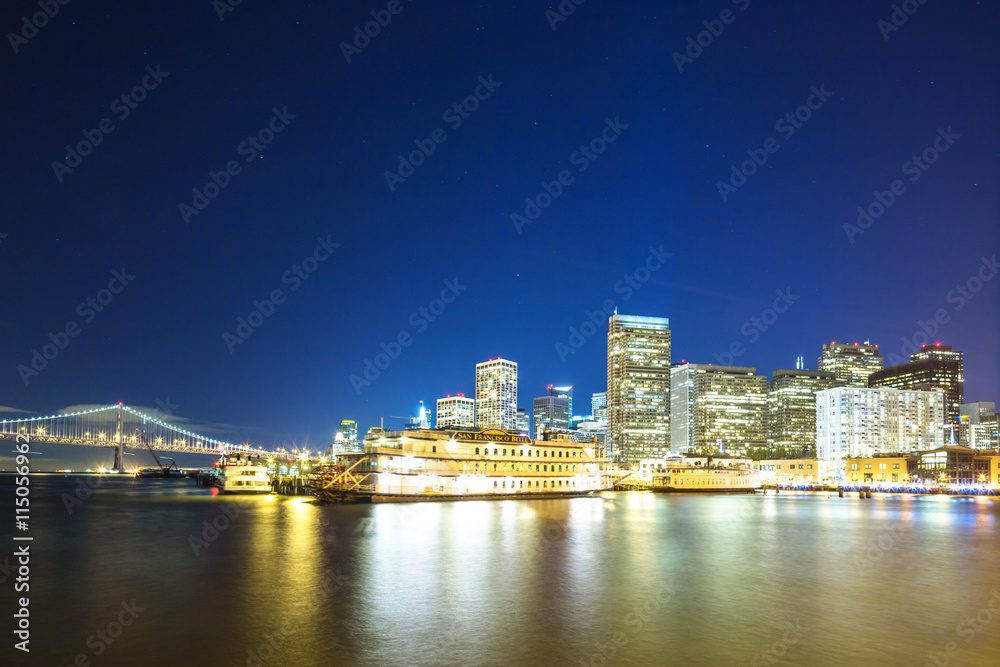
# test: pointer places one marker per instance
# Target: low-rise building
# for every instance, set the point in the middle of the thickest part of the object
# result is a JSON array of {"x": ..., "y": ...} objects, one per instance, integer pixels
[
  {"x": 793, "y": 471},
  {"x": 880, "y": 469}
]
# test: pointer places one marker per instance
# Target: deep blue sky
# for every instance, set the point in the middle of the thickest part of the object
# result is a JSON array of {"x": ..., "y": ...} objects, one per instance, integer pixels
[{"x": 324, "y": 176}]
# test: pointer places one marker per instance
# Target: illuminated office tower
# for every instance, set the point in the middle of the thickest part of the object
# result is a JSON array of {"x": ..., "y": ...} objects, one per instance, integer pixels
[
  {"x": 638, "y": 387},
  {"x": 563, "y": 392},
  {"x": 599, "y": 407},
  {"x": 933, "y": 368},
  {"x": 455, "y": 411},
  {"x": 349, "y": 429},
  {"x": 551, "y": 412},
  {"x": 717, "y": 409},
  {"x": 496, "y": 394},
  {"x": 857, "y": 421},
  {"x": 851, "y": 363},
  {"x": 791, "y": 410},
  {"x": 523, "y": 421}
]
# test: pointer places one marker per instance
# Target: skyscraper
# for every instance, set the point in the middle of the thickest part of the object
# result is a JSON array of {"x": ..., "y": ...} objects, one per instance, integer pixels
[
  {"x": 523, "y": 421},
  {"x": 599, "y": 407},
  {"x": 349, "y": 429},
  {"x": 563, "y": 392},
  {"x": 856, "y": 421},
  {"x": 933, "y": 368},
  {"x": 638, "y": 387},
  {"x": 851, "y": 363},
  {"x": 550, "y": 412},
  {"x": 717, "y": 407},
  {"x": 496, "y": 394},
  {"x": 791, "y": 410},
  {"x": 455, "y": 411}
]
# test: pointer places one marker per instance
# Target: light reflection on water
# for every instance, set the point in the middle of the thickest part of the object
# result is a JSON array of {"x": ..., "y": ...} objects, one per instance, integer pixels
[{"x": 645, "y": 578}]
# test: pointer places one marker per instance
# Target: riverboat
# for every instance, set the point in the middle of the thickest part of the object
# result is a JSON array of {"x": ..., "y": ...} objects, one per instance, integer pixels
[{"x": 462, "y": 464}]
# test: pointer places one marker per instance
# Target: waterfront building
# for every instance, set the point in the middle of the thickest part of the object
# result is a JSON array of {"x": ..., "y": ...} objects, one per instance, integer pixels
[
  {"x": 856, "y": 421},
  {"x": 496, "y": 394},
  {"x": 717, "y": 409},
  {"x": 349, "y": 429},
  {"x": 457, "y": 410},
  {"x": 550, "y": 412},
  {"x": 791, "y": 410},
  {"x": 457, "y": 463},
  {"x": 881, "y": 469},
  {"x": 934, "y": 368},
  {"x": 523, "y": 421},
  {"x": 638, "y": 396},
  {"x": 851, "y": 363},
  {"x": 793, "y": 471},
  {"x": 599, "y": 407}
]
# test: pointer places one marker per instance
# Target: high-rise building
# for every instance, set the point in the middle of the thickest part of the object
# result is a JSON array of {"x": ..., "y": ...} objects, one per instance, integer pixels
[
  {"x": 933, "y": 368},
  {"x": 523, "y": 421},
  {"x": 455, "y": 410},
  {"x": 551, "y": 412},
  {"x": 563, "y": 392},
  {"x": 857, "y": 421},
  {"x": 977, "y": 425},
  {"x": 349, "y": 429},
  {"x": 496, "y": 394},
  {"x": 599, "y": 407},
  {"x": 851, "y": 363},
  {"x": 791, "y": 410},
  {"x": 638, "y": 387},
  {"x": 717, "y": 408}
]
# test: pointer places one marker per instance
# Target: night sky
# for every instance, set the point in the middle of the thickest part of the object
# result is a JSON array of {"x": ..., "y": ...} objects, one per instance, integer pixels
[{"x": 642, "y": 140}]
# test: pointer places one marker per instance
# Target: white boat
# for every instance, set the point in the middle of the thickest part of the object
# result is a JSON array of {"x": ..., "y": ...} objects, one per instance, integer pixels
[{"x": 243, "y": 476}]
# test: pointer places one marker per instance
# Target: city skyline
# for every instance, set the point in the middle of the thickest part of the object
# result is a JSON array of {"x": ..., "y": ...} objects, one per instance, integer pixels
[{"x": 592, "y": 162}]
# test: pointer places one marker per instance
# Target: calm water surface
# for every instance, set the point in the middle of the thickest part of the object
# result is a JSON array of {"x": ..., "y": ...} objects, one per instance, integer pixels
[{"x": 624, "y": 579}]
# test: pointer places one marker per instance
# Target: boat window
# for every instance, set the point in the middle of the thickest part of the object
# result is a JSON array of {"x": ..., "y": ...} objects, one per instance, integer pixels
[
  {"x": 505, "y": 452},
  {"x": 477, "y": 451},
  {"x": 434, "y": 448},
  {"x": 536, "y": 467},
  {"x": 522, "y": 454},
  {"x": 494, "y": 451},
  {"x": 560, "y": 468},
  {"x": 560, "y": 454},
  {"x": 494, "y": 466},
  {"x": 545, "y": 484},
  {"x": 545, "y": 468},
  {"x": 545, "y": 453}
]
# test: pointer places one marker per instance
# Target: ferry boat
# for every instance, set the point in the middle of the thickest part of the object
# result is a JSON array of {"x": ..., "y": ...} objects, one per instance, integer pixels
[
  {"x": 239, "y": 475},
  {"x": 461, "y": 463},
  {"x": 709, "y": 474}
]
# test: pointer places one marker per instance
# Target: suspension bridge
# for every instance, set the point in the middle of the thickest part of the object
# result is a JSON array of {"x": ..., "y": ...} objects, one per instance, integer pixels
[{"x": 121, "y": 427}]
